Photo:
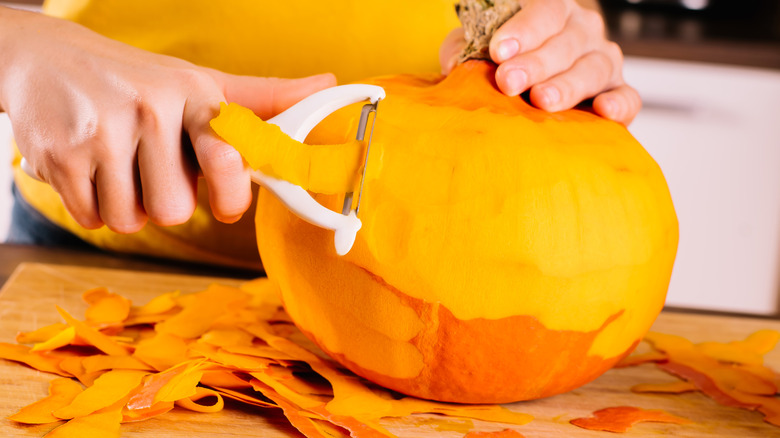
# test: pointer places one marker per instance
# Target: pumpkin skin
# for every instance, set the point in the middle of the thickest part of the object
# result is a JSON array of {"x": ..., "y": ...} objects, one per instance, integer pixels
[{"x": 506, "y": 253}]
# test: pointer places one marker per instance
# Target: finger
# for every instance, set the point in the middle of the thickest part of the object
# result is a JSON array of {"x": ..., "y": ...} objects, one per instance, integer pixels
[
  {"x": 227, "y": 177},
  {"x": 529, "y": 28},
  {"x": 555, "y": 56},
  {"x": 168, "y": 176},
  {"x": 450, "y": 50},
  {"x": 71, "y": 179},
  {"x": 587, "y": 77},
  {"x": 268, "y": 97},
  {"x": 118, "y": 190},
  {"x": 621, "y": 104},
  {"x": 79, "y": 198}
]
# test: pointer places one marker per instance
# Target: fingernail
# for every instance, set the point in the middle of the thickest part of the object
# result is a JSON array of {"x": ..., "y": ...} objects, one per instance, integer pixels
[
  {"x": 515, "y": 82},
  {"x": 507, "y": 49},
  {"x": 550, "y": 96}
]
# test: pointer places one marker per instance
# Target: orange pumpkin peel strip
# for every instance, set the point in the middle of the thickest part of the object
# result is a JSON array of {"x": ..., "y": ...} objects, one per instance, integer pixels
[
  {"x": 199, "y": 312},
  {"x": 669, "y": 388},
  {"x": 201, "y": 393},
  {"x": 133, "y": 415},
  {"x": 105, "y": 307},
  {"x": 92, "y": 336},
  {"x": 166, "y": 385},
  {"x": 42, "y": 334},
  {"x": 106, "y": 390},
  {"x": 61, "y": 393},
  {"x": 158, "y": 305},
  {"x": 506, "y": 433},
  {"x": 65, "y": 337},
  {"x": 732, "y": 374},
  {"x": 162, "y": 351},
  {"x": 45, "y": 362},
  {"x": 622, "y": 418},
  {"x": 97, "y": 425},
  {"x": 266, "y": 148}
]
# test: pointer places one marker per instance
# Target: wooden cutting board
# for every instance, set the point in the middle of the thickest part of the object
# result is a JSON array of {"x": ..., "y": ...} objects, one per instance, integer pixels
[{"x": 27, "y": 302}]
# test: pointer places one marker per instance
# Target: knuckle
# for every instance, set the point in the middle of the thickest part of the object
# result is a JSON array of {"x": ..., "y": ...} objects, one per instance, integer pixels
[
  {"x": 593, "y": 21},
  {"x": 81, "y": 209},
  {"x": 192, "y": 79},
  {"x": 232, "y": 211},
  {"x": 633, "y": 100},
  {"x": 614, "y": 60},
  {"x": 48, "y": 164},
  {"x": 228, "y": 203},
  {"x": 569, "y": 89},
  {"x": 87, "y": 220},
  {"x": 614, "y": 52},
  {"x": 174, "y": 211},
  {"x": 606, "y": 69},
  {"x": 167, "y": 218},
  {"x": 217, "y": 158},
  {"x": 148, "y": 116},
  {"x": 127, "y": 227},
  {"x": 123, "y": 219},
  {"x": 53, "y": 166},
  {"x": 637, "y": 100},
  {"x": 538, "y": 69}
]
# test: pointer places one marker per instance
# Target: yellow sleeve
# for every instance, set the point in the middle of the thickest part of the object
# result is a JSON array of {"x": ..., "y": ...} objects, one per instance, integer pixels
[{"x": 352, "y": 38}]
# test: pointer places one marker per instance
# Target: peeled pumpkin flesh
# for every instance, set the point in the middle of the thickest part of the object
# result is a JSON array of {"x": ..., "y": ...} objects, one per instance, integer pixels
[{"x": 506, "y": 253}]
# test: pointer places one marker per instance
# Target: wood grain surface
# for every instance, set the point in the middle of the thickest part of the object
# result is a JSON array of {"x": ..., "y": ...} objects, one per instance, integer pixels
[{"x": 28, "y": 302}]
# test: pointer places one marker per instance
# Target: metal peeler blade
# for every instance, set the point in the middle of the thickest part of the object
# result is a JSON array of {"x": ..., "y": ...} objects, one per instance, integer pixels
[{"x": 361, "y": 134}]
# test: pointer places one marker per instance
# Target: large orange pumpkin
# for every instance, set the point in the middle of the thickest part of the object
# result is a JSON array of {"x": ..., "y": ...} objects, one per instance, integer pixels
[{"x": 506, "y": 253}]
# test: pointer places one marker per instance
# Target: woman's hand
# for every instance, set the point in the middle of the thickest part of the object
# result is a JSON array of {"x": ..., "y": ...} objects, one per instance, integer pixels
[
  {"x": 120, "y": 132},
  {"x": 559, "y": 50}
]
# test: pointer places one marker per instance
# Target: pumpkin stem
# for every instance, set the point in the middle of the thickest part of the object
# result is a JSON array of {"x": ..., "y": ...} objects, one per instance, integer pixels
[{"x": 480, "y": 19}]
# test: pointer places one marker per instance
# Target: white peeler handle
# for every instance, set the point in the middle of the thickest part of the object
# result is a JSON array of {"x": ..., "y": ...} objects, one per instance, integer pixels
[{"x": 296, "y": 122}]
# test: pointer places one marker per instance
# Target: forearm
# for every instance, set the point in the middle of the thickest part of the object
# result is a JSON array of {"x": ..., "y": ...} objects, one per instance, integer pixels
[
  {"x": 8, "y": 27},
  {"x": 15, "y": 28}
]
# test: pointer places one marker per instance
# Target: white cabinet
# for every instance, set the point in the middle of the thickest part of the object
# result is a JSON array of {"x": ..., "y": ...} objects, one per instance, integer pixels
[{"x": 715, "y": 132}]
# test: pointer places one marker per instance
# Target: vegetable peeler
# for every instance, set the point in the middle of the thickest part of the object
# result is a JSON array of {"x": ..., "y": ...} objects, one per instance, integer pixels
[{"x": 296, "y": 122}]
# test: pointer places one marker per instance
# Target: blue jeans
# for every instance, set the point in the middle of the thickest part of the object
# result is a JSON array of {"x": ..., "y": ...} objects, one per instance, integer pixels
[{"x": 30, "y": 227}]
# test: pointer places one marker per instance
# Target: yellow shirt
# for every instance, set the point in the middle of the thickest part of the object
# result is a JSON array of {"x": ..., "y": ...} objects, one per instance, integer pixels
[{"x": 352, "y": 38}]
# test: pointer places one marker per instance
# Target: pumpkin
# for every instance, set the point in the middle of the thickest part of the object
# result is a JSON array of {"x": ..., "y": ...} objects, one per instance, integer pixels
[{"x": 506, "y": 253}]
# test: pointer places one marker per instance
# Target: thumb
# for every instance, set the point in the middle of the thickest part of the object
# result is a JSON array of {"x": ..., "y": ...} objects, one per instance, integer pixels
[
  {"x": 450, "y": 50},
  {"x": 267, "y": 97}
]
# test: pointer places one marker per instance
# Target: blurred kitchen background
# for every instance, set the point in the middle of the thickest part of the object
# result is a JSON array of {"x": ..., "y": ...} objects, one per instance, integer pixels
[{"x": 709, "y": 75}]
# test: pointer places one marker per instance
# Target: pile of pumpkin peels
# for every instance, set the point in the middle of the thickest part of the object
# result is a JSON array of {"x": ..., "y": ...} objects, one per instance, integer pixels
[
  {"x": 732, "y": 374},
  {"x": 194, "y": 350}
]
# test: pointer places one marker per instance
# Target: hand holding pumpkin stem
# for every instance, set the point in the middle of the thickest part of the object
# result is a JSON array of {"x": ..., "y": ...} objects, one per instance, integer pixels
[
  {"x": 112, "y": 128},
  {"x": 559, "y": 52}
]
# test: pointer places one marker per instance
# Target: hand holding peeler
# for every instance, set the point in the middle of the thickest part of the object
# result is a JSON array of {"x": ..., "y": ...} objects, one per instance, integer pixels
[{"x": 296, "y": 122}]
